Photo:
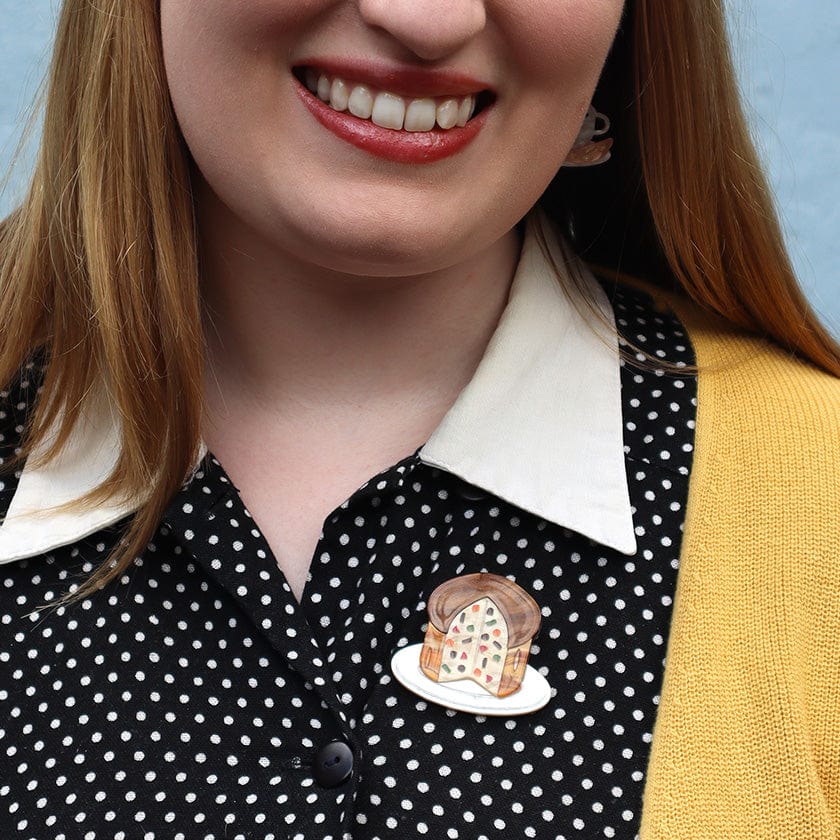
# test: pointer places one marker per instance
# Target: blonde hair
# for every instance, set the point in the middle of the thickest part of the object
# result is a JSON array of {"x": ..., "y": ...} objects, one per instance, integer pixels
[
  {"x": 98, "y": 267},
  {"x": 98, "y": 271}
]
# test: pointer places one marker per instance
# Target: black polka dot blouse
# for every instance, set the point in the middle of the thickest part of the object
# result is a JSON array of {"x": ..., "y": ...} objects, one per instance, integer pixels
[{"x": 195, "y": 698}]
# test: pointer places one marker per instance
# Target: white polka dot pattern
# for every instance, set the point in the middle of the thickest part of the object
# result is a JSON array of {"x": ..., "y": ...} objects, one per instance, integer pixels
[{"x": 190, "y": 699}]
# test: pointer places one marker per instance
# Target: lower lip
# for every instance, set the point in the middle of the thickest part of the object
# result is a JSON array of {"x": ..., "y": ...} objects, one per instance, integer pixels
[{"x": 397, "y": 146}]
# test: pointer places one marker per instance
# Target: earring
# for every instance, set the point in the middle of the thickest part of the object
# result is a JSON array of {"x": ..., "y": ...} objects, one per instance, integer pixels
[{"x": 587, "y": 151}]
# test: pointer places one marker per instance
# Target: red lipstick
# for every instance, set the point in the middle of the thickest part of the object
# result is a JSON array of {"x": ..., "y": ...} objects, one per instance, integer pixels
[{"x": 398, "y": 146}]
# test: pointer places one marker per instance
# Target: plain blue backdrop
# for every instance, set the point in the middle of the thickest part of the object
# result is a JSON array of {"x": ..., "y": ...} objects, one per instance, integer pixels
[{"x": 789, "y": 60}]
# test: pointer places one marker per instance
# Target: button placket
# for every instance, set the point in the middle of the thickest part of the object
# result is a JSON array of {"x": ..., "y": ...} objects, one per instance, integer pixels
[
  {"x": 263, "y": 596},
  {"x": 247, "y": 570}
]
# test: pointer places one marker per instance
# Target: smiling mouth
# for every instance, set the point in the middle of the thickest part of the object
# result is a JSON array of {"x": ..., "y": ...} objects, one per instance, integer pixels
[{"x": 390, "y": 110}]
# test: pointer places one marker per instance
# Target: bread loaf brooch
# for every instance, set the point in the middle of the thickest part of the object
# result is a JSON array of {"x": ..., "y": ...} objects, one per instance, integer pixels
[{"x": 480, "y": 629}]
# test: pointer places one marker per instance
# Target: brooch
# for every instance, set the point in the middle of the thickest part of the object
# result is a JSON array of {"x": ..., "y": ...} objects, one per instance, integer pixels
[{"x": 474, "y": 657}]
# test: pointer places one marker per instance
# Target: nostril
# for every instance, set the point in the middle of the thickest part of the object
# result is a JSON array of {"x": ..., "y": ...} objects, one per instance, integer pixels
[{"x": 431, "y": 29}]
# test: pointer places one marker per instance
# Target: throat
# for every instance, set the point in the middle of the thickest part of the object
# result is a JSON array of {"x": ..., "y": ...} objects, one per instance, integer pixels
[{"x": 292, "y": 471}]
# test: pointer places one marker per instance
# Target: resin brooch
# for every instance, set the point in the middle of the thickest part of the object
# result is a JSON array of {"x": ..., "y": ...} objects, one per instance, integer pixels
[{"x": 475, "y": 653}]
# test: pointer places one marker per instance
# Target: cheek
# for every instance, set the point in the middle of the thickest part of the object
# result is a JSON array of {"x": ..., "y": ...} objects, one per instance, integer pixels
[
  {"x": 555, "y": 62},
  {"x": 558, "y": 57},
  {"x": 561, "y": 41},
  {"x": 206, "y": 45},
  {"x": 190, "y": 69}
]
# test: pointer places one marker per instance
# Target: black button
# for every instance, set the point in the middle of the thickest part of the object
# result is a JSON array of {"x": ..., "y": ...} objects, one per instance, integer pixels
[{"x": 333, "y": 764}]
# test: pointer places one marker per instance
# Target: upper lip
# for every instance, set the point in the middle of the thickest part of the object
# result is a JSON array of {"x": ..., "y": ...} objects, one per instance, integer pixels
[{"x": 403, "y": 80}]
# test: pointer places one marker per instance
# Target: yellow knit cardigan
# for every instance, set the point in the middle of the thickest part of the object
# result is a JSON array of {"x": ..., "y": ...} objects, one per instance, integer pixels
[{"x": 747, "y": 740}]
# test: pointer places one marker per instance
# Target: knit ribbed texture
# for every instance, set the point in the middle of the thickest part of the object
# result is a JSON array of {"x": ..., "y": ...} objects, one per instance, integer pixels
[{"x": 747, "y": 742}]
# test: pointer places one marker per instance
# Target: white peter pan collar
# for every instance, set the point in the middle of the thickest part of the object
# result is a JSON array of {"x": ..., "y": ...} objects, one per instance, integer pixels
[{"x": 539, "y": 424}]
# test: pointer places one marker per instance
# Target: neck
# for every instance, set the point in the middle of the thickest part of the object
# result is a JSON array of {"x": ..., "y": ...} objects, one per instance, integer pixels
[{"x": 281, "y": 331}]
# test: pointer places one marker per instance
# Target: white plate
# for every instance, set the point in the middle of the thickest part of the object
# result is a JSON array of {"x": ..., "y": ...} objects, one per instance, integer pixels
[{"x": 465, "y": 695}]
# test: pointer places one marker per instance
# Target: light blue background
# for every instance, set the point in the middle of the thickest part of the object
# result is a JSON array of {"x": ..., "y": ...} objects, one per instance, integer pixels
[{"x": 789, "y": 59}]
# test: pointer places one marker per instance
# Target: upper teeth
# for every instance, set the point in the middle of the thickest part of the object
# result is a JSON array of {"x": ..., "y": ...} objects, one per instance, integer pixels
[{"x": 387, "y": 109}]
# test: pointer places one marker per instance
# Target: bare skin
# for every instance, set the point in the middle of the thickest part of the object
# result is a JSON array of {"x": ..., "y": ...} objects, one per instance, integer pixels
[
  {"x": 348, "y": 298},
  {"x": 317, "y": 382}
]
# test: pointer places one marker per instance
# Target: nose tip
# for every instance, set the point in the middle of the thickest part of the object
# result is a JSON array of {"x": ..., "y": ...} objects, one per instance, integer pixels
[{"x": 431, "y": 29}]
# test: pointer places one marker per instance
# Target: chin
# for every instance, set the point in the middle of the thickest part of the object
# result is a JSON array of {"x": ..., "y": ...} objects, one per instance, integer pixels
[{"x": 381, "y": 247}]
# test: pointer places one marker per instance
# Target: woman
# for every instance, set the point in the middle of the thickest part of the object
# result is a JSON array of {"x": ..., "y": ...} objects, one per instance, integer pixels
[{"x": 290, "y": 234}]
